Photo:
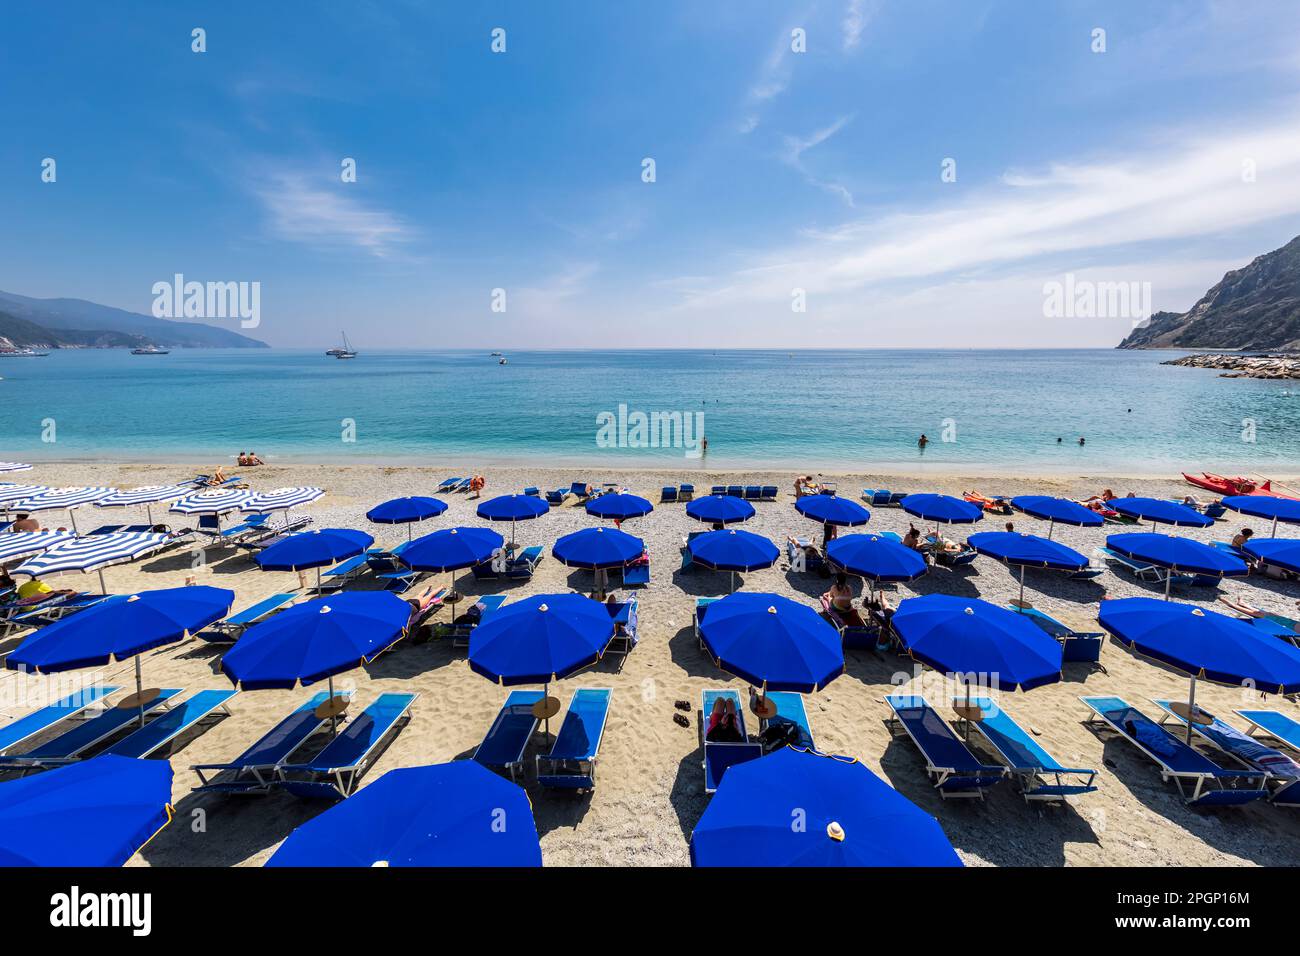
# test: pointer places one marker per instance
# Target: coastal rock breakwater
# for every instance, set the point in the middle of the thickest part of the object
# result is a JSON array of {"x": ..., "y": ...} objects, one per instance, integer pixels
[{"x": 1244, "y": 366}]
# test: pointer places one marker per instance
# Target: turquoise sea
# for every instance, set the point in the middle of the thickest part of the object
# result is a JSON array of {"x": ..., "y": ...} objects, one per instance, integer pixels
[{"x": 863, "y": 410}]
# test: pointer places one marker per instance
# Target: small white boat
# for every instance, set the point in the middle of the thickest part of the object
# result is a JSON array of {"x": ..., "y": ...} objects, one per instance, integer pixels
[
  {"x": 150, "y": 350},
  {"x": 502, "y": 362},
  {"x": 22, "y": 353},
  {"x": 347, "y": 352}
]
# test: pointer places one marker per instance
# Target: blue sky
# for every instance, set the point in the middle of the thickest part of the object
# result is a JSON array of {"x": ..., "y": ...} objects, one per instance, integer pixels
[{"x": 775, "y": 170}]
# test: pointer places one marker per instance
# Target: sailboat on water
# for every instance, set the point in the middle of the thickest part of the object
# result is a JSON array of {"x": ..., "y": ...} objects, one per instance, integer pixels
[{"x": 346, "y": 352}]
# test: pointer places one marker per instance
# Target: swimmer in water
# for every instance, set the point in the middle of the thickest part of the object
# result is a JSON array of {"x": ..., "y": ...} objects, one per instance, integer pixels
[{"x": 922, "y": 442}]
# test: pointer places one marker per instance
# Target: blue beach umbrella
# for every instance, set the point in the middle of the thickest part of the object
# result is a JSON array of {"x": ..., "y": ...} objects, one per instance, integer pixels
[
  {"x": 1027, "y": 551},
  {"x": 942, "y": 509},
  {"x": 1283, "y": 553},
  {"x": 1159, "y": 511},
  {"x": 1204, "y": 644},
  {"x": 967, "y": 636},
  {"x": 513, "y": 508},
  {"x": 720, "y": 509},
  {"x": 1286, "y": 510},
  {"x": 119, "y": 628},
  {"x": 1177, "y": 554},
  {"x": 620, "y": 506},
  {"x": 598, "y": 549},
  {"x": 406, "y": 511},
  {"x": 540, "y": 639},
  {"x": 851, "y": 817},
  {"x": 733, "y": 550},
  {"x": 451, "y": 814},
  {"x": 1052, "y": 510},
  {"x": 832, "y": 510},
  {"x": 97, "y": 812},
  {"x": 313, "y": 549},
  {"x": 772, "y": 642},
  {"x": 451, "y": 550},
  {"x": 875, "y": 558}
]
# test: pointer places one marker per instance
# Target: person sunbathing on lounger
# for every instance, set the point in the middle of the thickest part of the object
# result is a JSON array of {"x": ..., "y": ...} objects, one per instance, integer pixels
[
  {"x": 723, "y": 726},
  {"x": 913, "y": 539},
  {"x": 1242, "y": 537},
  {"x": 218, "y": 477},
  {"x": 840, "y": 598},
  {"x": 37, "y": 590},
  {"x": 26, "y": 522},
  {"x": 1106, "y": 495}
]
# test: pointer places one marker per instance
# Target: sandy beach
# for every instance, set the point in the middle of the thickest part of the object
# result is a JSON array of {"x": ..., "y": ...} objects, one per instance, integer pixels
[{"x": 650, "y": 782}]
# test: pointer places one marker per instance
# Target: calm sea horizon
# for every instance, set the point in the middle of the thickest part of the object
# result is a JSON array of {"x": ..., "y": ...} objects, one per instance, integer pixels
[{"x": 841, "y": 410}]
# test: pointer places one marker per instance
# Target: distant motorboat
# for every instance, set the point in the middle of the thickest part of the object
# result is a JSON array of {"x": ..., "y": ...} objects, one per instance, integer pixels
[
  {"x": 495, "y": 354},
  {"x": 150, "y": 350},
  {"x": 502, "y": 362},
  {"x": 346, "y": 352},
  {"x": 22, "y": 353}
]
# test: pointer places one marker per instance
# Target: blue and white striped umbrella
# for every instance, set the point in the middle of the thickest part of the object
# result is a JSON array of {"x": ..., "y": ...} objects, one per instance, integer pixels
[
  {"x": 57, "y": 499},
  {"x": 146, "y": 495},
  {"x": 23, "y": 543},
  {"x": 10, "y": 493},
  {"x": 215, "y": 502},
  {"x": 14, "y": 466},
  {"x": 281, "y": 499},
  {"x": 93, "y": 553}
]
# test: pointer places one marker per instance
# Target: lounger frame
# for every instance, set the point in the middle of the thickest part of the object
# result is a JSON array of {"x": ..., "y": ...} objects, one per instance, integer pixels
[{"x": 948, "y": 781}]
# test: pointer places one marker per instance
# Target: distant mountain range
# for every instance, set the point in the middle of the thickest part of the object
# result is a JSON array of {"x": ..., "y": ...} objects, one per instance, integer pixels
[
  {"x": 76, "y": 323},
  {"x": 1253, "y": 308}
]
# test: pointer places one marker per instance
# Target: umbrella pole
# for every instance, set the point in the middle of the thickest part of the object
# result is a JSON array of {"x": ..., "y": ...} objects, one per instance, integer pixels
[
  {"x": 1169, "y": 578},
  {"x": 103, "y": 588},
  {"x": 1022, "y": 584},
  {"x": 148, "y": 513},
  {"x": 1191, "y": 709},
  {"x": 967, "y": 682},
  {"x": 73, "y": 515},
  {"x": 1274, "y": 534},
  {"x": 1051, "y": 526},
  {"x": 139, "y": 689},
  {"x": 409, "y": 533},
  {"x": 333, "y": 719}
]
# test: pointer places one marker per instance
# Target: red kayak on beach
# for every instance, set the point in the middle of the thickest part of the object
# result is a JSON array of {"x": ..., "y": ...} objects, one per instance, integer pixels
[{"x": 1237, "y": 485}]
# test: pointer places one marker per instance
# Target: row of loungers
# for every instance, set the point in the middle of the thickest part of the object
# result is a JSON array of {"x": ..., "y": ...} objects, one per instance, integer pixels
[{"x": 571, "y": 762}]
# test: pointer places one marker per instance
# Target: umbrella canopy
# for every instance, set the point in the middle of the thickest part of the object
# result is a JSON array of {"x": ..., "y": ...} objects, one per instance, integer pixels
[
  {"x": 969, "y": 636},
  {"x": 93, "y": 553},
  {"x": 1027, "y": 550},
  {"x": 316, "y": 640},
  {"x": 97, "y": 812},
  {"x": 19, "y": 544},
  {"x": 540, "y": 639},
  {"x": 720, "y": 509},
  {"x": 215, "y": 502},
  {"x": 14, "y": 466},
  {"x": 1203, "y": 643},
  {"x": 451, "y": 549},
  {"x": 513, "y": 508},
  {"x": 1283, "y": 553},
  {"x": 1286, "y": 510},
  {"x": 120, "y": 628},
  {"x": 848, "y": 817},
  {"x": 58, "y": 499},
  {"x": 406, "y": 510},
  {"x": 451, "y": 814},
  {"x": 12, "y": 493},
  {"x": 145, "y": 495},
  {"x": 832, "y": 509},
  {"x": 1159, "y": 511},
  {"x": 944, "y": 509},
  {"x": 281, "y": 499},
  {"x": 875, "y": 558},
  {"x": 598, "y": 548},
  {"x": 1052, "y": 510},
  {"x": 733, "y": 550},
  {"x": 1177, "y": 554},
  {"x": 773, "y": 642},
  {"x": 620, "y": 506},
  {"x": 313, "y": 549}
]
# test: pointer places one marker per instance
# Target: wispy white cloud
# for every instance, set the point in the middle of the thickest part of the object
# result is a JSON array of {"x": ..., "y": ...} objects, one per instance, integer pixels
[
  {"x": 553, "y": 294},
  {"x": 795, "y": 147},
  {"x": 301, "y": 208},
  {"x": 857, "y": 16},
  {"x": 772, "y": 80}
]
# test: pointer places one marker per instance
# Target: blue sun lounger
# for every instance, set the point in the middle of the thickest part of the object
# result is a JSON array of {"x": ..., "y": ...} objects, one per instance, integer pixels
[
  {"x": 37, "y": 722},
  {"x": 753, "y": 492},
  {"x": 721, "y": 754},
  {"x": 571, "y": 764},
  {"x": 1282, "y": 771},
  {"x": 343, "y": 572},
  {"x": 229, "y": 630},
  {"x": 507, "y": 739},
  {"x": 954, "y": 769},
  {"x": 1211, "y": 785},
  {"x": 47, "y": 612},
  {"x": 334, "y": 772},
  {"x": 625, "y": 615},
  {"x": 718, "y": 490},
  {"x": 1077, "y": 645},
  {"x": 121, "y": 528},
  {"x": 448, "y": 483},
  {"x": 636, "y": 575},
  {"x": 460, "y": 633},
  {"x": 178, "y": 720},
  {"x": 790, "y": 709},
  {"x": 518, "y": 568},
  {"x": 71, "y": 744},
  {"x": 1271, "y": 723},
  {"x": 254, "y": 770},
  {"x": 668, "y": 493},
  {"x": 881, "y": 497},
  {"x": 557, "y": 496},
  {"x": 701, "y": 607},
  {"x": 1149, "y": 573},
  {"x": 1038, "y": 775}
]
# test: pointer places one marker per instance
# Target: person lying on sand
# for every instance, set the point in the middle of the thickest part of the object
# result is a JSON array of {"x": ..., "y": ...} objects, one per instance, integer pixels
[{"x": 217, "y": 477}]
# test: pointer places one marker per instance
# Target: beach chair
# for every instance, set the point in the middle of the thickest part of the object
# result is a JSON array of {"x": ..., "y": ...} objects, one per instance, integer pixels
[
  {"x": 753, "y": 492},
  {"x": 233, "y": 627},
  {"x": 954, "y": 770},
  {"x": 1148, "y": 573},
  {"x": 557, "y": 496},
  {"x": 518, "y": 568},
  {"x": 951, "y": 559},
  {"x": 718, "y": 490},
  {"x": 1086, "y": 574},
  {"x": 687, "y": 560},
  {"x": 71, "y": 744},
  {"x": 790, "y": 709},
  {"x": 507, "y": 739},
  {"x": 829, "y": 488},
  {"x": 1271, "y": 723},
  {"x": 736, "y": 491},
  {"x": 1282, "y": 771},
  {"x": 254, "y": 771},
  {"x": 625, "y": 627},
  {"x": 532, "y": 492},
  {"x": 1210, "y": 785},
  {"x": 636, "y": 575},
  {"x": 769, "y": 493},
  {"x": 1227, "y": 548},
  {"x": 178, "y": 720},
  {"x": 852, "y": 636},
  {"x": 686, "y": 492},
  {"x": 343, "y": 572},
  {"x": 571, "y": 764},
  {"x": 1038, "y": 775},
  {"x": 460, "y": 633},
  {"x": 1214, "y": 510},
  {"x": 719, "y": 755},
  {"x": 463, "y": 484},
  {"x": 669, "y": 493},
  {"x": 580, "y": 490},
  {"x": 124, "y": 528},
  {"x": 334, "y": 772},
  {"x": 18, "y": 732},
  {"x": 802, "y": 550},
  {"x": 41, "y": 613},
  {"x": 701, "y": 605},
  {"x": 1078, "y": 643},
  {"x": 447, "y": 484}
]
